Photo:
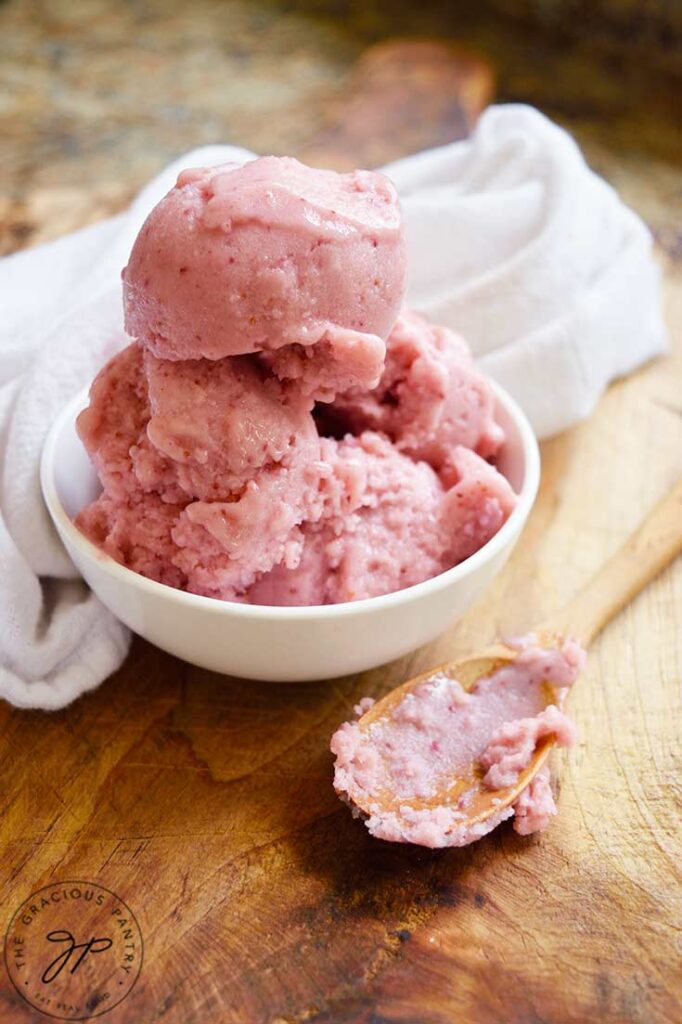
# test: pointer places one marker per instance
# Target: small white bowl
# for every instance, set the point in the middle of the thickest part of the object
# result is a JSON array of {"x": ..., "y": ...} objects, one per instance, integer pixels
[{"x": 282, "y": 644}]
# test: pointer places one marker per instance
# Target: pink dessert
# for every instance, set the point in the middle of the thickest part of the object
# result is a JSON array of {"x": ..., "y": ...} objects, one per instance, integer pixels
[
  {"x": 397, "y": 524},
  {"x": 254, "y": 444},
  {"x": 247, "y": 259},
  {"x": 233, "y": 452},
  {"x": 136, "y": 531},
  {"x": 438, "y": 730},
  {"x": 430, "y": 398},
  {"x": 222, "y": 425},
  {"x": 114, "y": 422},
  {"x": 193, "y": 428}
]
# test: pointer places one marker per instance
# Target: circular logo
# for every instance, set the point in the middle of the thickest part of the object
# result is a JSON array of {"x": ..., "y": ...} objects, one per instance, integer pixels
[{"x": 73, "y": 950}]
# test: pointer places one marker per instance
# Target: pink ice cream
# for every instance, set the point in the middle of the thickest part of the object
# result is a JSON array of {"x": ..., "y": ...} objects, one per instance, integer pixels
[
  {"x": 271, "y": 254},
  {"x": 193, "y": 428},
  {"x": 430, "y": 399},
  {"x": 234, "y": 452},
  {"x": 397, "y": 526},
  {"x": 115, "y": 421},
  {"x": 137, "y": 532},
  {"x": 254, "y": 444},
  {"x": 221, "y": 425},
  {"x": 437, "y": 731}
]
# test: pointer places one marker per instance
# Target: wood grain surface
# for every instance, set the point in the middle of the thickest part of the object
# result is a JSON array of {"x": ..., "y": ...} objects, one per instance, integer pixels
[{"x": 206, "y": 804}]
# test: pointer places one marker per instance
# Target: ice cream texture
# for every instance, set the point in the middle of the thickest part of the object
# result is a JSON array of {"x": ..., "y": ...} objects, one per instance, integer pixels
[
  {"x": 270, "y": 254},
  {"x": 430, "y": 400},
  {"x": 278, "y": 431},
  {"x": 399, "y": 764}
]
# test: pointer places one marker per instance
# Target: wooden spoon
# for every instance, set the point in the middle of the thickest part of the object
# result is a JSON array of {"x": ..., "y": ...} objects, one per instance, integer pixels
[{"x": 654, "y": 545}]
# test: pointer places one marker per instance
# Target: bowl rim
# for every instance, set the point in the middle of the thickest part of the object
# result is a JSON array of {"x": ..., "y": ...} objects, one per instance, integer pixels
[{"x": 128, "y": 577}]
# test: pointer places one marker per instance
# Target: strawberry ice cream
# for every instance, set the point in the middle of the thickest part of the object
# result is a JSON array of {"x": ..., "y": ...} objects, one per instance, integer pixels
[
  {"x": 400, "y": 527},
  {"x": 397, "y": 767},
  {"x": 136, "y": 531},
  {"x": 193, "y": 428},
  {"x": 277, "y": 432},
  {"x": 271, "y": 254},
  {"x": 430, "y": 399},
  {"x": 233, "y": 450}
]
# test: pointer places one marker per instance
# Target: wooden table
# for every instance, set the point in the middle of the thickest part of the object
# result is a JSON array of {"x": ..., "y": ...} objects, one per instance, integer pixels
[{"x": 205, "y": 803}]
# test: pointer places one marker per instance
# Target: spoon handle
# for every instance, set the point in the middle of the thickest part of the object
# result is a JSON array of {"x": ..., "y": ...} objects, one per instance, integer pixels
[{"x": 653, "y": 545}]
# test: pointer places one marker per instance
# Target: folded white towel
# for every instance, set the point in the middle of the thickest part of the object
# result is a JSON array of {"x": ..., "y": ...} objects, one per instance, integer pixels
[{"x": 513, "y": 241}]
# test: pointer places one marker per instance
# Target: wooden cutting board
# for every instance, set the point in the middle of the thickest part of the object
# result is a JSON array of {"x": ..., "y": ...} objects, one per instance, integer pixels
[{"x": 204, "y": 803}]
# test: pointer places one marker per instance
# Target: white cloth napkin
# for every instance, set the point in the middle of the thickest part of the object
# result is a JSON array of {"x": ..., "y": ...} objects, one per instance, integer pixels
[{"x": 513, "y": 241}]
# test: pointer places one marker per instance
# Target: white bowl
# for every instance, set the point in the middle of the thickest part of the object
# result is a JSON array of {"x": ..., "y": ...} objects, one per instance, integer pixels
[{"x": 282, "y": 644}]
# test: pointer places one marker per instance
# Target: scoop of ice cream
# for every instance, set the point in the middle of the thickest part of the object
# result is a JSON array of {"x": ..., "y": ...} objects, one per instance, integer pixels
[
  {"x": 246, "y": 259},
  {"x": 225, "y": 545},
  {"x": 380, "y": 531},
  {"x": 230, "y": 449},
  {"x": 439, "y": 730},
  {"x": 387, "y": 523},
  {"x": 430, "y": 399},
  {"x": 194, "y": 428},
  {"x": 221, "y": 425},
  {"x": 136, "y": 530},
  {"x": 215, "y": 549}
]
